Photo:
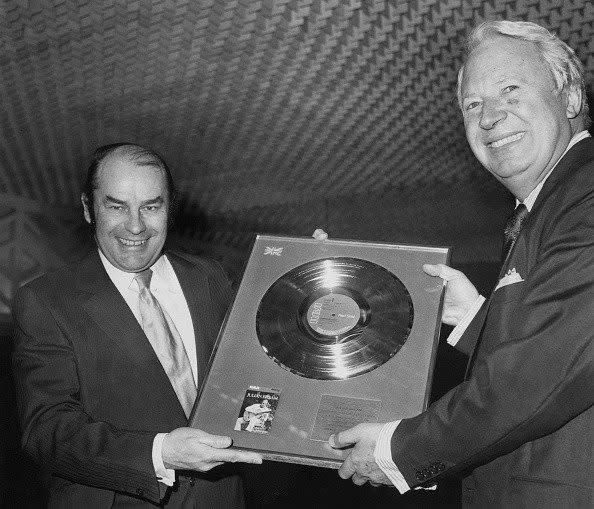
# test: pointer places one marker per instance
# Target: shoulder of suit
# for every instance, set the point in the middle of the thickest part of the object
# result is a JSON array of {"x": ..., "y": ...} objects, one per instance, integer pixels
[
  {"x": 582, "y": 155},
  {"x": 210, "y": 266},
  {"x": 57, "y": 276},
  {"x": 576, "y": 178},
  {"x": 580, "y": 177}
]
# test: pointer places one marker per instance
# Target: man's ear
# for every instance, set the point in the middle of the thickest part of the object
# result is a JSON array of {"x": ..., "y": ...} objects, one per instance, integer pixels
[
  {"x": 85, "y": 203},
  {"x": 573, "y": 100}
]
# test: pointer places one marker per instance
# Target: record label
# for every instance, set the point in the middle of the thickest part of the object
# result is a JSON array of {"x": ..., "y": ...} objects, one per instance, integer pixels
[{"x": 333, "y": 314}]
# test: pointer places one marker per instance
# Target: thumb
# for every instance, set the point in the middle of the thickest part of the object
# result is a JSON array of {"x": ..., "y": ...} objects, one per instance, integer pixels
[
  {"x": 343, "y": 439},
  {"x": 432, "y": 270},
  {"x": 443, "y": 271},
  {"x": 216, "y": 441}
]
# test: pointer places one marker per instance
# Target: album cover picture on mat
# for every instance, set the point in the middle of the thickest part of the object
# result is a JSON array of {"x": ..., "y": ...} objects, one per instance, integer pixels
[{"x": 257, "y": 411}]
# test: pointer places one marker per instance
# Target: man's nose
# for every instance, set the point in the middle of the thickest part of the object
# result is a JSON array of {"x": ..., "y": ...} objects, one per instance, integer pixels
[
  {"x": 492, "y": 113},
  {"x": 135, "y": 222}
]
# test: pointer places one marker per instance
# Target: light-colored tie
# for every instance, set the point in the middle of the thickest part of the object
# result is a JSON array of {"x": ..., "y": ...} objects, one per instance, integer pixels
[{"x": 166, "y": 341}]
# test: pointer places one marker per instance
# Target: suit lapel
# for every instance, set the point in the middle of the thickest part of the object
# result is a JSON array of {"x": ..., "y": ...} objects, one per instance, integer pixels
[
  {"x": 576, "y": 156},
  {"x": 108, "y": 309},
  {"x": 195, "y": 287}
]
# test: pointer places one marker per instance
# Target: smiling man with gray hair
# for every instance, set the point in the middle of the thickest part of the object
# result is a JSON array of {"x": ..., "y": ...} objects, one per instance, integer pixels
[{"x": 520, "y": 428}]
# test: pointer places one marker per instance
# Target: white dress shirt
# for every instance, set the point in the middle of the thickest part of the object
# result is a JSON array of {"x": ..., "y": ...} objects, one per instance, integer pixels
[
  {"x": 383, "y": 447},
  {"x": 167, "y": 290}
]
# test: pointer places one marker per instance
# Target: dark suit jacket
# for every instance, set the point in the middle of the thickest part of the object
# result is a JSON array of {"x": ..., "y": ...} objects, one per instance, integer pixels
[
  {"x": 92, "y": 393},
  {"x": 521, "y": 427}
]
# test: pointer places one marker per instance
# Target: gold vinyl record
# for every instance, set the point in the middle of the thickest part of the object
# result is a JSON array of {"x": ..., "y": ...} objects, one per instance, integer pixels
[{"x": 334, "y": 318}]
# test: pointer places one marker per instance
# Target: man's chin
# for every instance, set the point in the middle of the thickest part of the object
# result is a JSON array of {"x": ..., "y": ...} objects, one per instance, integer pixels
[
  {"x": 134, "y": 265},
  {"x": 132, "y": 259},
  {"x": 508, "y": 170}
]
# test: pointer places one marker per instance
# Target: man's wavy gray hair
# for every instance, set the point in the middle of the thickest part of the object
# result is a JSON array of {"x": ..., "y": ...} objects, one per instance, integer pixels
[{"x": 565, "y": 66}]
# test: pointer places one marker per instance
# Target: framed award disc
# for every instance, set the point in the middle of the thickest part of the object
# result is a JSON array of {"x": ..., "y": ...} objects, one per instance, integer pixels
[{"x": 322, "y": 335}]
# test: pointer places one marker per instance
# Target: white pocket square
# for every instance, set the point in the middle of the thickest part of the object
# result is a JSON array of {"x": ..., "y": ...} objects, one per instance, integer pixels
[{"x": 510, "y": 278}]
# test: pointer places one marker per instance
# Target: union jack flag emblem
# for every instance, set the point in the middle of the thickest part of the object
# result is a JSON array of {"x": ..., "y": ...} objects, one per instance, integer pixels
[{"x": 273, "y": 251}]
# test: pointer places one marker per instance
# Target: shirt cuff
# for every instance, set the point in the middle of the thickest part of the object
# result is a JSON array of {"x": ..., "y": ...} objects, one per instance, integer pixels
[
  {"x": 164, "y": 475},
  {"x": 459, "y": 329},
  {"x": 383, "y": 457}
]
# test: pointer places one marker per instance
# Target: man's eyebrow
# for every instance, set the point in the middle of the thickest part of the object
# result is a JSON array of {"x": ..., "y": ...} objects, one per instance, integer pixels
[
  {"x": 114, "y": 200},
  {"x": 153, "y": 201}
]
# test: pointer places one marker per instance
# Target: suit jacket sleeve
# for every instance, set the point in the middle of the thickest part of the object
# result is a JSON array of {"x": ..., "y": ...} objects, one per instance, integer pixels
[
  {"x": 534, "y": 366},
  {"x": 469, "y": 337},
  {"x": 57, "y": 431}
]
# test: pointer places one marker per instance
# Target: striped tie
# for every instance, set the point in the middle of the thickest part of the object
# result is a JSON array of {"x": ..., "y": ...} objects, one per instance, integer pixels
[{"x": 512, "y": 228}]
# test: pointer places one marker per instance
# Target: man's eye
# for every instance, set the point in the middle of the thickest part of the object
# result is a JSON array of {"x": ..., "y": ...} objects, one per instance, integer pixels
[
  {"x": 151, "y": 208},
  {"x": 472, "y": 105},
  {"x": 116, "y": 207},
  {"x": 510, "y": 88}
]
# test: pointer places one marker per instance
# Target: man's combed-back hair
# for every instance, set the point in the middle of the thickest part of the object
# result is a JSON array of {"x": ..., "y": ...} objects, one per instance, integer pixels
[
  {"x": 136, "y": 154},
  {"x": 565, "y": 66}
]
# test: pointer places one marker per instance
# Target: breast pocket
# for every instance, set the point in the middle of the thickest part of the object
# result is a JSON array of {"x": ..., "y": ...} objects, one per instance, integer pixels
[
  {"x": 505, "y": 312},
  {"x": 508, "y": 293}
]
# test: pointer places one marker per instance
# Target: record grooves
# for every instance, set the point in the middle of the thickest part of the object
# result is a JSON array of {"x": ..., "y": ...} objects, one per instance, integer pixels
[{"x": 334, "y": 318}]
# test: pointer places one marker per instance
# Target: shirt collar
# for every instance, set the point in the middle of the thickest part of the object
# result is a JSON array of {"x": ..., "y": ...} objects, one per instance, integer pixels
[
  {"x": 531, "y": 198},
  {"x": 161, "y": 278}
]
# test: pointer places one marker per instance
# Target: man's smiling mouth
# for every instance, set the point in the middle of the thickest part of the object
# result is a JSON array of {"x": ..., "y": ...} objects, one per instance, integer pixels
[
  {"x": 127, "y": 242},
  {"x": 506, "y": 140}
]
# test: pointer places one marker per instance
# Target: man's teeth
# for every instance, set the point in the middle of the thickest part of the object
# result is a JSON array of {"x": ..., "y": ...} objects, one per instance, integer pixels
[
  {"x": 127, "y": 242},
  {"x": 505, "y": 141}
]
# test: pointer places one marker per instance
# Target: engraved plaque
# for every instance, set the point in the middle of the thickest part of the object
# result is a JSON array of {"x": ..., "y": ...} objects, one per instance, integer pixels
[{"x": 336, "y": 413}]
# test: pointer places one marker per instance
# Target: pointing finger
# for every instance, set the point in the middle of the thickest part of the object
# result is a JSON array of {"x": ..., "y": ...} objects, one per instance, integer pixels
[
  {"x": 246, "y": 457},
  {"x": 237, "y": 456}
]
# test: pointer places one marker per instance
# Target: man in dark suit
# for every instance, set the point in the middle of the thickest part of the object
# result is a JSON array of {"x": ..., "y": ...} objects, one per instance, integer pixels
[
  {"x": 109, "y": 352},
  {"x": 520, "y": 428}
]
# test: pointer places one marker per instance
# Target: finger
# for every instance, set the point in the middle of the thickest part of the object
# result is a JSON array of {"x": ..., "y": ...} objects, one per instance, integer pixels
[
  {"x": 319, "y": 234},
  {"x": 359, "y": 480},
  {"x": 216, "y": 441},
  {"x": 375, "y": 484},
  {"x": 343, "y": 439},
  {"x": 238, "y": 456},
  {"x": 347, "y": 469},
  {"x": 248, "y": 457},
  {"x": 205, "y": 467}
]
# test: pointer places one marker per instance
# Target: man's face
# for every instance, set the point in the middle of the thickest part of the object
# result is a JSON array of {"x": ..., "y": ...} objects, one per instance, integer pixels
[
  {"x": 261, "y": 419},
  {"x": 516, "y": 121},
  {"x": 131, "y": 206}
]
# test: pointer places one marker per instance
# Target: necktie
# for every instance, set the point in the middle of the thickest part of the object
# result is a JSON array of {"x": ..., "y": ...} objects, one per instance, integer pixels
[
  {"x": 512, "y": 228},
  {"x": 166, "y": 341}
]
